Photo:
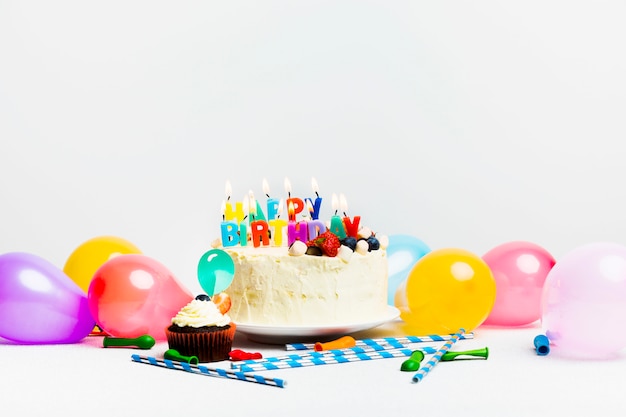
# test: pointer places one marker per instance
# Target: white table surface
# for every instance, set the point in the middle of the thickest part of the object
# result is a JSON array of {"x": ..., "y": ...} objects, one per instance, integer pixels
[{"x": 89, "y": 380}]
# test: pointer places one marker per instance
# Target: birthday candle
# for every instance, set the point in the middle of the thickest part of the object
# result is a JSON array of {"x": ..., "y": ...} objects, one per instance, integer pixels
[
  {"x": 336, "y": 224},
  {"x": 315, "y": 213}
]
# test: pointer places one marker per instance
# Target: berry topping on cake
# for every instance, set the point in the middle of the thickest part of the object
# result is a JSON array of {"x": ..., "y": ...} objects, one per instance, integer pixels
[
  {"x": 373, "y": 243},
  {"x": 328, "y": 242},
  {"x": 350, "y": 242},
  {"x": 223, "y": 302},
  {"x": 314, "y": 251},
  {"x": 203, "y": 297}
]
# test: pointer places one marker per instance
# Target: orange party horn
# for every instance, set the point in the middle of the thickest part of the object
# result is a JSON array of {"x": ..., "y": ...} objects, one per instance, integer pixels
[{"x": 341, "y": 343}]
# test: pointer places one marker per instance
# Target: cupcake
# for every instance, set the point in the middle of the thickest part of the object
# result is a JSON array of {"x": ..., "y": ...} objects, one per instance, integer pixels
[{"x": 203, "y": 329}]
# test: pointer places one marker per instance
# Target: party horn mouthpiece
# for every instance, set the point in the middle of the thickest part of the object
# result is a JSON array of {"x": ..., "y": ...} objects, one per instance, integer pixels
[
  {"x": 478, "y": 353},
  {"x": 173, "y": 355},
  {"x": 413, "y": 363},
  {"x": 142, "y": 342},
  {"x": 542, "y": 345},
  {"x": 341, "y": 343}
]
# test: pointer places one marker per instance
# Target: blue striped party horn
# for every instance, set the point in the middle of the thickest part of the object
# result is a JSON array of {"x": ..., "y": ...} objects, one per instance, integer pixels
[
  {"x": 393, "y": 342},
  {"x": 357, "y": 350},
  {"x": 203, "y": 370},
  {"x": 434, "y": 360},
  {"x": 295, "y": 362}
]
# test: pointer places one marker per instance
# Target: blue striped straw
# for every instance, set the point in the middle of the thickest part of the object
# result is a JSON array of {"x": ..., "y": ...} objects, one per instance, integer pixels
[
  {"x": 203, "y": 370},
  {"x": 434, "y": 360},
  {"x": 353, "y": 351},
  {"x": 300, "y": 362},
  {"x": 393, "y": 342}
]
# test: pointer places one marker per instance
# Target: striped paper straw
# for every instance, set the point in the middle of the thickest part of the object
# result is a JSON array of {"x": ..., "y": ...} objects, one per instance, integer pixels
[
  {"x": 393, "y": 342},
  {"x": 326, "y": 354},
  {"x": 203, "y": 370},
  {"x": 434, "y": 360},
  {"x": 323, "y": 360}
]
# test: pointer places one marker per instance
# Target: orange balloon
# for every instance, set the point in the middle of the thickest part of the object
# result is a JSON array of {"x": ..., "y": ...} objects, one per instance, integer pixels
[
  {"x": 446, "y": 290},
  {"x": 85, "y": 260}
]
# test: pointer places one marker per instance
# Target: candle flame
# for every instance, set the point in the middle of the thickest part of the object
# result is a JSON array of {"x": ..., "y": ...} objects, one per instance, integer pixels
[
  {"x": 288, "y": 186},
  {"x": 252, "y": 203},
  {"x": 266, "y": 187},
  {"x": 334, "y": 202},
  {"x": 246, "y": 204},
  {"x": 229, "y": 190},
  {"x": 343, "y": 204},
  {"x": 316, "y": 188},
  {"x": 291, "y": 210}
]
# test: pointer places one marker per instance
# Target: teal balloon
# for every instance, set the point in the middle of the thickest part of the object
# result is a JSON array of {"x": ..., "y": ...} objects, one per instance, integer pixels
[
  {"x": 403, "y": 252},
  {"x": 216, "y": 270}
]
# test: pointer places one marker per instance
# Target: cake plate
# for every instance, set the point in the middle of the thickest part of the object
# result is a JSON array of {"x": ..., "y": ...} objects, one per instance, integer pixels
[{"x": 263, "y": 333}]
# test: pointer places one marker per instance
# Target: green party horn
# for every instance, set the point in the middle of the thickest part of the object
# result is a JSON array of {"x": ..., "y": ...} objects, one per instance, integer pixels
[
  {"x": 173, "y": 355},
  {"x": 479, "y": 353},
  {"x": 142, "y": 342},
  {"x": 413, "y": 363}
]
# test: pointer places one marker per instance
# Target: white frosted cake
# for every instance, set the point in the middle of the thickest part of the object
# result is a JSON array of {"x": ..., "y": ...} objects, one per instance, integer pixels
[
  {"x": 299, "y": 270},
  {"x": 274, "y": 288}
]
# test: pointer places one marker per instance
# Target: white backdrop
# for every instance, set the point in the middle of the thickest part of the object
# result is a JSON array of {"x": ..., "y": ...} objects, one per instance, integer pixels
[{"x": 465, "y": 124}]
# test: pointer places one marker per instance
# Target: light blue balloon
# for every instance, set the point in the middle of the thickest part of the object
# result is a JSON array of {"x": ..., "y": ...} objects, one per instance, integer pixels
[{"x": 403, "y": 252}]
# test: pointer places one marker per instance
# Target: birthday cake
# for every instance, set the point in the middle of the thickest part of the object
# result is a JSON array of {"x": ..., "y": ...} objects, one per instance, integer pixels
[{"x": 302, "y": 271}]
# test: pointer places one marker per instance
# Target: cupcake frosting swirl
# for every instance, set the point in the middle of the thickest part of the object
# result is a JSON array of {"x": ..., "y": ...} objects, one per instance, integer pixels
[{"x": 200, "y": 313}]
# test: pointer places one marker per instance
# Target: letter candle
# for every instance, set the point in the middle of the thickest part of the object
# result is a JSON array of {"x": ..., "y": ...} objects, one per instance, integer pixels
[
  {"x": 315, "y": 211},
  {"x": 336, "y": 224},
  {"x": 351, "y": 226},
  {"x": 295, "y": 231}
]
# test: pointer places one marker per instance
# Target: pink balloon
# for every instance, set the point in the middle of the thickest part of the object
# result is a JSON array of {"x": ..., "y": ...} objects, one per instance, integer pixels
[
  {"x": 520, "y": 270},
  {"x": 133, "y": 295},
  {"x": 584, "y": 302}
]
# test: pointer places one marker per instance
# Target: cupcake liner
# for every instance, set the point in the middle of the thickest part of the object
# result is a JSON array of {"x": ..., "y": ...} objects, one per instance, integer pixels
[{"x": 212, "y": 345}]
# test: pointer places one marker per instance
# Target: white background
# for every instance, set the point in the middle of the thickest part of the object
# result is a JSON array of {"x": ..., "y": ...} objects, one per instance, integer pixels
[{"x": 465, "y": 124}]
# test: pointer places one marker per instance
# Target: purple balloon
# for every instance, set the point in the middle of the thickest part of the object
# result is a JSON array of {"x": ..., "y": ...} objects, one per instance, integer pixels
[
  {"x": 39, "y": 303},
  {"x": 584, "y": 302}
]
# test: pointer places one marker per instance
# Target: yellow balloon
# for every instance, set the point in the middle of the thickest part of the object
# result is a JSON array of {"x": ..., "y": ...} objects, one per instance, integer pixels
[
  {"x": 83, "y": 263},
  {"x": 446, "y": 290}
]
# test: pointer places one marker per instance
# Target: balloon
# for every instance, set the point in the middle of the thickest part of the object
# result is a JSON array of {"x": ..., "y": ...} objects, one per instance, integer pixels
[
  {"x": 403, "y": 252},
  {"x": 90, "y": 255},
  {"x": 520, "y": 270},
  {"x": 216, "y": 270},
  {"x": 39, "y": 304},
  {"x": 446, "y": 290},
  {"x": 132, "y": 295},
  {"x": 583, "y": 305}
]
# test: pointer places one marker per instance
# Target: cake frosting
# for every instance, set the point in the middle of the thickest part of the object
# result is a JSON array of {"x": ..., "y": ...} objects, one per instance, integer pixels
[
  {"x": 272, "y": 287},
  {"x": 303, "y": 269},
  {"x": 198, "y": 313}
]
